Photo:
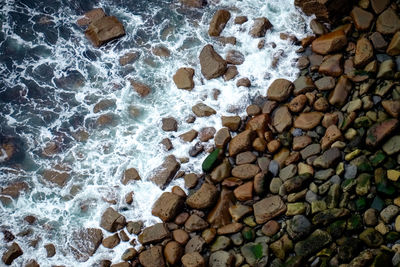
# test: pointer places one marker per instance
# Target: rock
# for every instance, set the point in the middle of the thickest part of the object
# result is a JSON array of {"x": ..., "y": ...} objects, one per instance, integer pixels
[
  {"x": 232, "y": 122},
  {"x": 270, "y": 228},
  {"x": 221, "y": 259},
  {"x": 204, "y": 197},
  {"x": 222, "y": 138},
  {"x": 112, "y": 221},
  {"x": 104, "y": 30},
  {"x": 169, "y": 124},
  {"x": 238, "y": 211},
  {"x": 202, "y": 110},
  {"x": 321, "y": 104},
  {"x": 255, "y": 253},
  {"x": 281, "y": 247},
  {"x": 90, "y": 16},
  {"x": 245, "y": 82},
  {"x": 13, "y": 190},
  {"x": 241, "y": 142},
  {"x": 328, "y": 159},
  {"x": 394, "y": 45},
  {"x": 362, "y": 19},
  {"x": 130, "y": 174},
  {"x": 193, "y": 3},
  {"x": 245, "y": 171},
  {"x": 166, "y": 142},
  {"x": 180, "y": 236},
  {"x": 389, "y": 213},
  {"x": 128, "y": 58},
  {"x": 173, "y": 252},
  {"x": 370, "y": 217},
  {"x": 152, "y": 257},
  {"x": 298, "y": 227},
  {"x": 166, "y": 171},
  {"x": 244, "y": 192},
  {"x": 317, "y": 27},
  {"x": 190, "y": 180},
  {"x": 154, "y": 234},
  {"x": 193, "y": 259},
  {"x": 297, "y": 104},
  {"x": 310, "y": 150},
  {"x": 206, "y": 133},
  {"x": 364, "y": 52},
  {"x": 32, "y": 263},
  {"x": 393, "y": 175},
  {"x": 221, "y": 172},
  {"x": 240, "y": 19},
  {"x": 280, "y": 90},
  {"x": 111, "y": 241},
  {"x": 220, "y": 243},
  {"x": 268, "y": 208},
  {"x": 378, "y": 132},
  {"x": 13, "y": 252},
  {"x": 327, "y": 11},
  {"x": 332, "y": 134},
  {"x": 332, "y": 65},
  {"x": 195, "y": 244},
  {"x": 392, "y": 146},
  {"x": 338, "y": 96},
  {"x": 107, "y": 263},
  {"x": 85, "y": 242},
  {"x": 100, "y": 106},
  {"x": 218, "y": 22},
  {"x": 330, "y": 42},
  {"x": 300, "y": 142},
  {"x": 183, "y": 78},
  {"x": 220, "y": 215},
  {"x": 231, "y": 72},
  {"x": 234, "y": 57},
  {"x": 379, "y": 5},
  {"x": 195, "y": 223},
  {"x": 189, "y": 136},
  {"x": 260, "y": 27},
  {"x": 129, "y": 254},
  {"x": 325, "y": 83},
  {"x": 386, "y": 70},
  {"x": 167, "y": 206},
  {"x": 160, "y": 51},
  {"x": 308, "y": 121},
  {"x": 281, "y": 119},
  {"x": 212, "y": 64},
  {"x": 388, "y": 22},
  {"x": 315, "y": 242},
  {"x": 371, "y": 237},
  {"x": 288, "y": 172},
  {"x": 302, "y": 85},
  {"x": 142, "y": 89},
  {"x": 50, "y": 250},
  {"x": 378, "y": 41}
]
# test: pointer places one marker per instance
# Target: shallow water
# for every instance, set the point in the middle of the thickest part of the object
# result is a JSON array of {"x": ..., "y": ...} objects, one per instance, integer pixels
[{"x": 51, "y": 77}]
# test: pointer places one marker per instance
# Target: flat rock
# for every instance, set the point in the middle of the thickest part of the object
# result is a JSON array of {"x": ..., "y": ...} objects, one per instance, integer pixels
[
  {"x": 85, "y": 242},
  {"x": 221, "y": 259},
  {"x": 154, "y": 234},
  {"x": 212, "y": 64},
  {"x": 203, "y": 198},
  {"x": 330, "y": 42},
  {"x": 379, "y": 131},
  {"x": 142, "y": 89},
  {"x": 379, "y": 5},
  {"x": 183, "y": 78},
  {"x": 202, "y": 110},
  {"x": 152, "y": 257},
  {"x": 245, "y": 171},
  {"x": 280, "y": 90},
  {"x": 241, "y": 142},
  {"x": 332, "y": 134},
  {"x": 325, "y": 83},
  {"x": 195, "y": 223},
  {"x": 218, "y": 22},
  {"x": 169, "y": 124},
  {"x": 167, "y": 206},
  {"x": 332, "y": 65},
  {"x": 392, "y": 146},
  {"x": 104, "y": 30},
  {"x": 193, "y": 259},
  {"x": 222, "y": 138},
  {"x": 328, "y": 159},
  {"x": 260, "y": 27},
  {"x": 166, "y": 171},
  {"x": 388, "y": 22},
  {"x": 281, "y": 119},
  {"x": 112, "y": 221},
  {"x": 268, "y": 208},
  {"x": 90, "y": 16},
  {"x": 234, "y": 57},
  {"x": 308, "y": 121}
]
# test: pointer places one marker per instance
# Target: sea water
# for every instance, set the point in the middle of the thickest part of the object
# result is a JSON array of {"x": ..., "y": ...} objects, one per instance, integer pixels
[{"x": 51, "y": 77}]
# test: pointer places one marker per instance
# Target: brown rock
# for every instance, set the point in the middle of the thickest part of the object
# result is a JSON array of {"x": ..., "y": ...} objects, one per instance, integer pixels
[
  {"x": 128, "y": 58},
  {"x": 330, "y": 42},
  {"x": 232, "y": 122},
  {"x": 388, "y": 22},
  {"x": 379, "y": 5},
  {"x": 169, "y": 124},
  {"x": 325, "y": 83},
  {"x": 362, "y": 19},
  {"x": 244, "y": 192},
  {"x": 332, "y": 65},
  {"x": 281, "y": 119},
  {"x": 190, "y": 180},
  {"x": 195, "y": 223},
  {"x": 32, "y": 263},
  {"x": 297, "y": 104},
  {"x": 58, "y": 175},
  {"x": 206, "y": 133},
  {"x": 240, "y": 19},
  {"x": 180, "y": 236},
  {"x": 202, "y": 110},
  {"x": 173, "y": 252},
  {"x": 164, "y": 173},
  {"x": 13, "y": 252},
  {"x": 85, "y": 242},
  {"x": 111, "y": 241},
  {"x": 364, "y": 52},
  {"x": 195, "y": 244},
  {"x": 327, "y": 11},
  {"x": 308, "y": 121},
  {"x": 142, "y": 89},
  {"x": 258, "y": 123},
  {"x": 330, "y": 119},
  {"x": 13, "y": 190},
  {"x": 270, "y": 228},
  {"x": 167, "y": 206},
  {"x": 50, "y": 250},
  {"x": 321, "y": 104},
  {"x": 245, "y": 171},
  {"x": 379, "y": 131},
  {"x": 222, "y": 138},
  {"x": 160, "y": 51},
  {"x": 280, "y": 90},
  {"x": 100, "y": 106},
  {"x": 204, "y": 197},
  {"x": 152, "y": 257},
  {"x": 193, "y": 259},
  {"x": 300, "y": 142},
  {"x": 212, "y": 64},
  {"x": 112, "y": 221},
  {"x": 166, "y": 142},
  {"x": 260, "y": 27},
  {"x": 392, "y": 107},
  {"x": 234, "y": 57},
  {"x": 302, "y": 85},
  {"x": 218, "y": 22},
  {"x": 189, "y": 136},
  {"x": 231, "y": 72},
  {"x": 176, "y": 190},
  {"x": 268, "y": 208},
  {"x": 90, "y": 16},
  {"x": 183, "y": 78},
  {"x": 394, "y": 46},
  {"x": 221, "y": 172},
  {"x": 230, "y": 228},
  {"x": 219, "y": 215},
  {"x": 338, "y": 97},
  {"x": 181, "y": 218},
  {"x": 273, "y": 146},
  {"x": 259, "y": 144},
  {"x": 378, "y": 41},
  {"x": 245, "y": 158},
  {"x": 332, "y": 134},
  {"x": 154, "y": 234},
  {"x": 241, "y": 142},
  {"x": 245, "y": 82},
  {"x": 104, "y": 30},
  {"x": 106, "y": 263}
]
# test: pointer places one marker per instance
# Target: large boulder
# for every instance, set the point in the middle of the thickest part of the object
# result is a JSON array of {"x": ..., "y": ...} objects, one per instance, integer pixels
[
  {"x": 218, "y": 22},
  {"x": 212, "y": 64},
  {"x": 330, "y": 42},
  {"x": 326, "y": 10},
  {"x": 104, "y": 30},
  {"x": 85, "y": 242},
  {"x": 164, "y": 173},
  {"x": 167, "y": 206},
  {"x": 112, "y": 221}
]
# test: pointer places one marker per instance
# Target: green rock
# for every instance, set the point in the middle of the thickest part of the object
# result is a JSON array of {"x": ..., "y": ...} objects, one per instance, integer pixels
[
  {"x": 363, "y": 121},
  {"x": 348, "y": 185},
  {"x": 371, "y": 237},
  {"x": 254, "y": 252},
  {"x": 313, "y": 243},
  {"x": 354, "y": 223},
  {"x": 333, "y": 196},
  {"x": 384, "y": 258},
  {"x": 362, "y": 163},
  {"x": 392, "y": 237},
  {"x": 392, "y": 146},
  {"x": 250, "y": 221},
  {"x": 361, "y": 204},
  {"x": 390, "y": 163},
  {"x": 317, "y": 206},
  {"x": 327, "y": 216},
  {"x": 248, "y": 234},
  {"x": 221, "y": 243},
  {"x": 337, "y": 228},
  {"x": 211, "y": 160},
  {"x": 349, "y": 248},
  {"x": 295, "y": 208},
  {"x": 377, "y": 158},
  {"x": 378, "y": 203},
  {"x": 294, "y": 261},
  {"x": 363, "y": 184}
]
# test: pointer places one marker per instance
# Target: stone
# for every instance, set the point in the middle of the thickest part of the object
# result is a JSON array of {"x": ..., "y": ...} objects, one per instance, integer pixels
[
  {"x": 379, "y": 5},
  {"x": 332, "y": 134},
  {"x": 244, "y": 192},
  {"x": 50, "y": 250},
  {"x": 371, "y": 237},
  {"x": 255, "y": 253},
  {"x": 204, "y": 197},
  {"x": 389, "y": 213},
  {"x": 193, "y": 259},
  {"x": 245, "y": 158},
  {"x": 221, "y": 172},
  {"x": 268, "y": 208},
  {"x": 330, "y": 42},
  {"x": 295, "y": 208},
  {"x": 270, "y": 228},
  {"x": 364, "y": 52},
  {"x": 189, "y": 136},
  {"x": 297, "y": 104},
  {"x": 240, "y": 19},
  {"x": 130, "y": 174},
  {"x": 220, "y": 243},
  {"x": 313, "y": 243},
  {"x": 328, "y": 159},
  {"x": 326, "y": 11},
  {"x": 206, "y": 133},
  {"x": 317, "y": 27},
  {"x": 281, "y": 247},
  {"x": 260, "y": 27},
  {"x": 212, "y": 64},
  {"x": 165, "y": 172},
  {"x": 166, "y": 142},
  {"x": 167, "y": 206},
  {"x": 152, "y": 257},
  {"x": 111, "y": 241},
  {"x": 310, "y": 150},
  {"x": 245, "y": 82},
  {"x": 388, "y": 22},
  {"x": 321, "y": 104},
  {"x": 392, "y": 107},
  {"x": 193, "y": 3},
  {"x": 195, "y": 223},
  {"x": 183, "y": 78},
  {"x": 84, "y": 243},
  {"x": 128, "y": 58},
  {"x": 300, "y": 142},
  {"x": 281, "y": 119},
  {"x": 160, "y": 51},
  {"x": 298, "y": 227},
  {"x": 325, "y": 83},
  {"x": 302, "y": 85},
  {"x": 142, "y": 89},
  {"x": 169, "y": 124},
  {"x": 221, "y": 259},
  {"x": 218, "y": 22},
  {"x": 13, "y": 252},
  {"x": 394, "y": 45},
  {"x": 195, "y": 244},
  {"x": 154, "y": 234},
  {"x": 245, "y": 171},
  {"x": 393, "y": 175},
  {"x": 180, "y": 236},
  {"x": 288, "y": 172},
  {"x": 234, "y": 57},
  {"x": 112, "y": 221},
  {"x": 190, "y": 180},
  {"x": 202, "y": 110},
  {"x": 129, "y": 254},
  {"x": 379, "y": 131},
  {"x": 386, "y": 70},
  {"x": 280, "y": 90},
  {"x": 362, "y": 19},
  {"x": 378, "y": 41},
  {"x": 90, "y": 16},
  {"x": 241, "y": 142},
  {"x": 308, "y": 121},
  {"x": 231, "y": 122},
  {"x": 231, "y": 72},
  {"x": 104, "y": 30},
  {"x": 338, "y": 97},
  {"x": 332, "y": 65},
  {"x": 220, "y": 215}
]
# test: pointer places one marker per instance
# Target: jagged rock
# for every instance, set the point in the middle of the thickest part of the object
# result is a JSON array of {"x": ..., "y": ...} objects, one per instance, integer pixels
[
  {"x": 112, "y": 221},
  {"x": 13, "y": 252},
  {"x": 183, "y": 78},
  {"x": 212, "y": 64},
  {"x": 330, "y": 42},
  {"x": 202, "y": 110},
  {"x": 154, "y": 234},
  {"x": 104, "y": 30},
  {"x": 167, "y": 206},
  {"x": 219, "y": 215},
  {"x": 164, "y": 173},
  {"x": 218, "y": 22},
  {"x": 260, "y": 27},
  {"x": 85, "y": 242}
]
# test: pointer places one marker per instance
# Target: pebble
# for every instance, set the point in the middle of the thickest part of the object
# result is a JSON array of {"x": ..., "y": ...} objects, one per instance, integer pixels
[{"x": 350, "y": 171}]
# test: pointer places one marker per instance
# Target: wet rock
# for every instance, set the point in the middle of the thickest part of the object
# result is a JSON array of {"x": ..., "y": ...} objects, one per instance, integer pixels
[
  {"x": 111, "y": 241},
  {"x": 220, "y": 215},
  {"x": 330, "y": 42},
  {"x": 234, "y": 57},
  {"x": 315, "y": 242},
  {"x": 183, "y": 78},
  {"x": 128, "y": 58},
  {"x": 195, "y": 223},
  {"x": 85, "y": 242},
  {"x": 327, "y": 11},
  {"x": 189, "y": 136},
  {"x": 206, "y": 133},
  {"x": 218, "y": 22},
  {"x": 129, "y": 254},
  {"x": 332, "y": 65},
  {"x": 268, "y": 208},
  {"x": 245, "y": 171},
  {"x": 191, "y": 180},
  {"x": 232, "y": 122},
  {"x": 221, "y": 172},
  {"x": 231, "y": 72},
  {"x": 50, "y": 250},
  {"x": 195, "y": 244},
  {"x": 378, "y": 41},
  {"x": 328, "y": 159},
  {"x": 308, "y": 121},
  {"x": 142, "y": 89},
  {"x": 152, "y": 257},
  {"x": 204, "y": 197},
  {"x": 100, "y": 106},
  {"x": 222, "y": 138},
  {"x": 378, "y": 132},
  {"x": 394, "y": 45},
  {"x": 325, "y": 83},
  {"x": 281, "y": 119},
  {"x": 221, "y": 259},
  {"x": 362, "y": 19},
  {"x": 212, "y": 64},
  {"x": 13, "y": 190},
  {"x": 244, "y": 192},
  {"x": 241, "y": 142},
  {"x": 112, "y": 221},
  {"x": 302, "y": 85},
  {"x": 386, "y": 70},
  {"x": 167, "y": 206},
  {"x": 154, "y": 234},
  {"x": 364, "y": 52},
  {"x": 173, "y": 252},
  {"x": 300, "y": 142},
  {"x": 298, "y": 227},
  {"x": 388, "y": 22},
  {"x": 379, "y": 5},
  {"x": 371, "y": 237},
  {"x": 280, "y": 90},
  {"x": 160, "y": 51},
  {"x": 240, "y": 19},
  {"x": 260, "y": 27},
  {"x": 166, "y": 142},
  {"x": 245, "y": 82},
  {"x": 193, "y": 259},
  {"x": 202, "y": 110},
  {"x": 32, "y": 263},
  {"x": 104, "y": 30},
  {"x": 255, "y": 252},
  {"x": 332, "y": 134},
  {"x": 338, "y": 96},
  {"x": 169, "y": 124},
  {"x": 90, "y": 16},
  {"x": 164, "y": 173},
  {"x": 13, "y": 252},
  {"x": 328, "y": 216},
  {"x": 392, "y": 146}
]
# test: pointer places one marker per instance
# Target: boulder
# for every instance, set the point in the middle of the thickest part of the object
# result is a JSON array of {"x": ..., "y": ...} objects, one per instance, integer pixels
[
  {"x": 330, "y": 42},
  {"x": 327, "y": 11},
  {"x": 218, "y": 22},
  {"x": 388, "y": 22},
  {"x": 154, "y": 234},
  {"x": 241, "y": 142},
  {"x": 280, "y": 90},
  {"x": 128, "y": 58},
  {"x": 111, "y": 241},
  {"x": 166, "y": 171},
  {"x": 152, "y": 257},
  {"x": 221, "y": 259},
  {"x": 85, "y": 242},
  {"x": 112, "y": 221},
  {"x": 13, "y": 252},
  {"x": 104, "y": 30},
  {"x": 232, "y": 122},
  {"x": 59, "y": 175},
  {"x": 183, "y": 78},
  {"x": 167, "y": 206},
  {"x": 260, "y": 27},
  {"x": 130, "y": 174},
  {"x": 212, "y": 64},
  {"x": 268, "y": 208},
  {"x": 90, "y": 16},
  {"x": 204, "y": 197},
  {"x": 303, "y": 84},
  {"x": 222, "y": 138}
]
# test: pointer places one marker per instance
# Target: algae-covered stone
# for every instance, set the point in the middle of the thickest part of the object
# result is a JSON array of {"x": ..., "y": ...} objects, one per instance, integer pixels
[
  {"x": 221, "y": 243},
  {"x": 363, "y": 184},
  {"x": 315, "y": 242},
  {"x": 371, "y": 237},
  {"x": 327, "y": 216},
  {"x": 254, "y": 252},
  {"x": 392, "y": 146}
]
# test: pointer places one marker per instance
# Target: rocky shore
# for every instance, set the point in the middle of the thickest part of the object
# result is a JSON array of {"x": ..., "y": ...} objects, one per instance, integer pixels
[{"x": 309, "y": 178}]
